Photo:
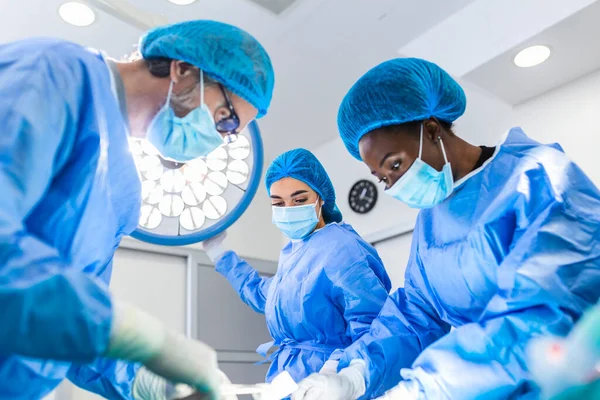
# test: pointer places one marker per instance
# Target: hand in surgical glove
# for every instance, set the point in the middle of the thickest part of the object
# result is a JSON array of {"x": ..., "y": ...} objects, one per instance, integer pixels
[
  {"x": 213, "y": 247},
  {"x": 348, "y": 384},
  {"x": 330, "y": 367},
  {"x": 149, "y": 386},
  {"x": 137, "y": 336}
]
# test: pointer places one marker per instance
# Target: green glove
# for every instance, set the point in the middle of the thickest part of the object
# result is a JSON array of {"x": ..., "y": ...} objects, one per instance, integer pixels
[
  {"x": 565, "y": 368},
  {"x": 591, "y": 391}
]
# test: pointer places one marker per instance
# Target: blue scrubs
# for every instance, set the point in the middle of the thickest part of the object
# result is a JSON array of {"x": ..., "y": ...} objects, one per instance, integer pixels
[
  {"x": 514, "y": 253},
  {"x": 70, "y": 192},
  {"x": 327, "y": 290}
]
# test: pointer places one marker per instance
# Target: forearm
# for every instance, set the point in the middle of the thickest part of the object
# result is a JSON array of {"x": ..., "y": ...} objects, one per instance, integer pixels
[
  {"x": 34, "y": 284},
  {"x": 251, "y": 287}
]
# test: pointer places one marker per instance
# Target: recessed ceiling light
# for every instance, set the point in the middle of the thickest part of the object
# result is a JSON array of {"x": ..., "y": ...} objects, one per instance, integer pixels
[
  {"x": 76, "y": 13},
  {"x": 532, "y": 56},
  {"x": 182, "y": 2}
]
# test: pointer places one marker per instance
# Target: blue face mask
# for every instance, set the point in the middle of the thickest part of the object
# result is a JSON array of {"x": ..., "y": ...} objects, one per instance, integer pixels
[
  {"x": 183, "y": 139},
  {"x": 422, "y": 186},
  {"x": 296, "y": 222}
]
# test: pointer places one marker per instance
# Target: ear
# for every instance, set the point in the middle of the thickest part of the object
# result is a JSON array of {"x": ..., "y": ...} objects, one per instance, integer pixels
[
  {"x": 432, "y": 128},
  {"x": 181, "y": 70}
]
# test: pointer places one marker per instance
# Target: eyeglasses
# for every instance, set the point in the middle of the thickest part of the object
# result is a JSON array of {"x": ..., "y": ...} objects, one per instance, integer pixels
[{"x": 230, "y": 124}]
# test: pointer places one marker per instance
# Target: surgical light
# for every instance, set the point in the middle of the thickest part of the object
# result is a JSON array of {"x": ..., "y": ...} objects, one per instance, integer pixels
[
  {"x": 532, "y": 56},
  {"x": 76, "y": 13},
  {"x": 202, "y": 195}
]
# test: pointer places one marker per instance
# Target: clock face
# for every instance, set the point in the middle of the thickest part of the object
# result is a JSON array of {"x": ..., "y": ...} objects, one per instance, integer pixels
[{"x": 363, "y": 196}]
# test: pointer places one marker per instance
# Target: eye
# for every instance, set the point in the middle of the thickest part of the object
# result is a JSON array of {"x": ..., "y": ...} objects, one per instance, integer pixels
[
  {"x": 396, "y": 166},
  {"x": 300, "y": 201},
  {"x": 222, "y": 113},
  {"x": 384, "y": 180},
  {"x": 278, "y": 204}
]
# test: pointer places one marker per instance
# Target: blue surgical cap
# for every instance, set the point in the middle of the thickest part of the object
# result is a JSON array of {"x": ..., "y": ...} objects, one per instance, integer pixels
[
  {"x": 302, "y": 165},
  {"x": 395, "y": 92},
  {"x": 225, "y": 53}
]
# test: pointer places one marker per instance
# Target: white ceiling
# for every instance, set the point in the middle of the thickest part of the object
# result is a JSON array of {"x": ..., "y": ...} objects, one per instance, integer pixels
[
  {"x": 320, "y": 47},
  {"x": 575, "y": 53}
]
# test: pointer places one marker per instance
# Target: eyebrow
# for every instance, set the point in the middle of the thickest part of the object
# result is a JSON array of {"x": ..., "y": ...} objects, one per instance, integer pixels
[
  {"x": 388, "y": 155},
  {"x": 296, "y": 193}
]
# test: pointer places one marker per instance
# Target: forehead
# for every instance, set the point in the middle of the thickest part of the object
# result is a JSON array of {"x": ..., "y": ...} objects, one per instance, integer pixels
[
  {"x": 383, "y": 141},
  {"x": 376, "y": 144},
  {"x": 241, "y": 106},
  {"x": 287, "y": 186}
]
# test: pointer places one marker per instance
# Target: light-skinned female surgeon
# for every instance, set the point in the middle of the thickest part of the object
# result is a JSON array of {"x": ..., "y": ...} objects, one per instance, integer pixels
[
  {"x": 506, "y": 246},
  {"x": 330, "y": 284},
  {"x": 70, "y": 192}
]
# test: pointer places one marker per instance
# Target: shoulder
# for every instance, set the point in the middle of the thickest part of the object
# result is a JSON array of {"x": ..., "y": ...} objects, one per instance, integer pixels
[
  {"x": 55, "y": 61},
  {"x": 341, "y": 234},
  {"x": 42, "y": 75},
  {"x": 340, "y": 244},
  {"x": 46, "y": 49},
  {"x": 542, "y": 175},
  {"x": 345, "y": 255}
]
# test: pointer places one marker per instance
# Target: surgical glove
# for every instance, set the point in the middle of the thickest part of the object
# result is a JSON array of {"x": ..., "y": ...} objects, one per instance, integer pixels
[
  {"x": 348, "y": 384},
  {"x": 257, "y": 396},
  {"x": 330, "y": 367},
  {"x": 137, "y": 336},
  {"x": 213, "y": 247},
  {"x": 149, "y": 386}
]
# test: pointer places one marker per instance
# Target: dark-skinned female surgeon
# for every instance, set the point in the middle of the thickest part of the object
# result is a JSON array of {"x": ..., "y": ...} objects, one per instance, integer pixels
[{"x": 505, "y": 248}]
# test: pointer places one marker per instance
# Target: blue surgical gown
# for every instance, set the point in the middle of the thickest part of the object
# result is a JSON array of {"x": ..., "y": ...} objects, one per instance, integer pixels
[
  {"x": 327, "y": 290},
  {"x": 514, "y": 253},
  {"x": 69, "y": 193}
]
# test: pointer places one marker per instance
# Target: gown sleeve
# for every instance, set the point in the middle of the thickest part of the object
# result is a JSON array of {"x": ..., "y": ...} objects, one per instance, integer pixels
[
  {"x": 545, "y": 283},
  {"x": 405, "y": 326},
  {"x": 55, "y": 310},
  {"x": 361, "y": 295},
  {"x": 251, "y": 287},
  {"x": 111, "y": 379}
]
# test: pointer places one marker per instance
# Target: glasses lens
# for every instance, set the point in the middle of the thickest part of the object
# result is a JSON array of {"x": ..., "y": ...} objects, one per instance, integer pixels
[{"x": 229, "y": 124}]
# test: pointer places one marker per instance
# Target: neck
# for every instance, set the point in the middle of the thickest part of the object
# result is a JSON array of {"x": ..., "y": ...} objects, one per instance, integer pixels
[
  {"x": 464, "y": 156},
  {"x": 321, "y": 224},
  {"x": 144, "y": 93}
]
